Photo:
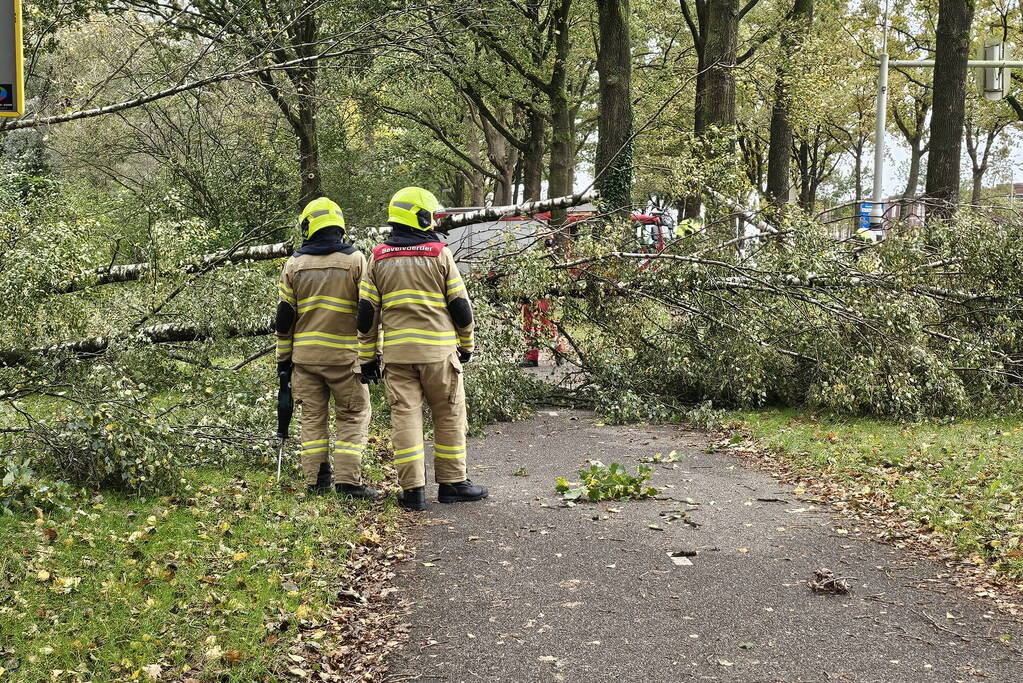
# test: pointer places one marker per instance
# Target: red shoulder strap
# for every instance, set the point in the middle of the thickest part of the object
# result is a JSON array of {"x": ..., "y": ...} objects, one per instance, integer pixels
[{"x": 383, "y": 251}]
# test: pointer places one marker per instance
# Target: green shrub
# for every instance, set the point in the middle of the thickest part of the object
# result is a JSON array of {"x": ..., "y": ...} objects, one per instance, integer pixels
[
  {"x": 21, "y": 488},
  {"x": 916, "y": 326},
  {"x": 109, "y": 447}
]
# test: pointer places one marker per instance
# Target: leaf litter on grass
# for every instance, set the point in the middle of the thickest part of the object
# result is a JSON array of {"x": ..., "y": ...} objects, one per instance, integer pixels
[{"x": 225, "y": 580}]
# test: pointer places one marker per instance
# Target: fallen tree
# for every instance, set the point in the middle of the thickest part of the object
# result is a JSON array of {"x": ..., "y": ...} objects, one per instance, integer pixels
[
  {"x": 131, "y": 272},
  {"x": 157, "y": 334}
]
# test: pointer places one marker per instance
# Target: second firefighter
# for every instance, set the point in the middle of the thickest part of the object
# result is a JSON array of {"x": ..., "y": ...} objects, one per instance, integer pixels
[
  {"x": 412, "y": 301},
  {"x": 316, "y": 342}
]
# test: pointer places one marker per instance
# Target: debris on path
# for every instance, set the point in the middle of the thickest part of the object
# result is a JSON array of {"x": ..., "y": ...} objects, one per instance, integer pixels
[
  {"x": 521, "y": 588},
  {"x": 825, "y": 581}
]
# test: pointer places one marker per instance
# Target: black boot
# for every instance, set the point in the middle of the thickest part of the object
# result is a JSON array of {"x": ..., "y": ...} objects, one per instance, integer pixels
[
  {"x": 323, "y": 478},
  {"x": 462, "y": 492},
  {"x": 358, "y": 492},
  {"x": 413, "y": 499}
]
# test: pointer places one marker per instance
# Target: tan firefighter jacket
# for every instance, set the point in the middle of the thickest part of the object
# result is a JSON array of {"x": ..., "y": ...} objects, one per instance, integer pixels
[
  {"x": 413, "y": 305},
  {"x": 323, "y": 290}
]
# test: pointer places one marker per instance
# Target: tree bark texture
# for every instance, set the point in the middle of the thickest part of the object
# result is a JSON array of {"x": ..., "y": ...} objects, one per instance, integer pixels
[
  {"x": 559, "y": 176},
  {"x": 916, "y": 156},
  {"x": 952, "y": 48},
  {"x": 157, "y": 334},
  {"x": 615, "y": 122},
  {"x": 696, "y": 20},
  {"x": 532, "y": 164},
  {"x": 914, "y": 131},
  {"x": 308, "y": 141},
  {"x": 131, "y": 272},
  {"x": 719, "y": 84},
  {"x": 779, "y": 152}
]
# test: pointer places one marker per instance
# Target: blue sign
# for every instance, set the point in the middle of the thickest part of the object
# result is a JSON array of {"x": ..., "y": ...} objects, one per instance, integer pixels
[{"x": 863, "y": 220}]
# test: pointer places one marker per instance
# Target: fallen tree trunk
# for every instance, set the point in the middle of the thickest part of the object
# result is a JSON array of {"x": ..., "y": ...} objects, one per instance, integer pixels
[
  {"x": 492, "y": 213},
  {"x": 131, "y": 272},
  {"x": 167, "y": 333}
]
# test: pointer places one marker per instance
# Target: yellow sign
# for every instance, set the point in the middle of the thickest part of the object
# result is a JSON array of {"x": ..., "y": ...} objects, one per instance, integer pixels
[{"x": 12, "y": 78}]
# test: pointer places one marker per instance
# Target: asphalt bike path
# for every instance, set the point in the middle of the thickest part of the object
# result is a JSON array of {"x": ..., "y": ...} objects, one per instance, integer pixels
[{"x": 521, "y": 588}]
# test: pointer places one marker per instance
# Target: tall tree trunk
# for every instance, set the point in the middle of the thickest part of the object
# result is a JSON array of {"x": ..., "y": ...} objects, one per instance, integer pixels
[
  {"x": 978, "y": 184},
  {"x": 614, "y": 126},
  {"x": 475, "y": 178},
  {"x": 805, "y": 177},
  {"x": 779, "y": 152},
  {"x": 532, "y": 165},
  {"x": 308, "y": 145},
  {"x": 952, "y": 48},
  {"x": 722, "y": 38},
  {"x": 699, "y": 118},
  {"x": 916, "y": 155},
  {"x": 308, "y": 142},
  {"x": 503, "y": 157},
  {"x": 517, "y": 181},
  {"x": 858, "y": 157},
  {"x": 458, "y": 190},
  {"x": 559, "y": 176}
]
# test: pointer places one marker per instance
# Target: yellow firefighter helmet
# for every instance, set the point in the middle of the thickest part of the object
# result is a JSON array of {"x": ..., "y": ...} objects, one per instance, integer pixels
[
  {"x": 413, "y": 207},
  {"x": 318, "y": 214}
]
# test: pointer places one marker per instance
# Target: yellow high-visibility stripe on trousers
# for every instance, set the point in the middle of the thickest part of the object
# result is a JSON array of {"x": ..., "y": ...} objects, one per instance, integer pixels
[
  {"x": 409, "y": 454},
  {"x": 315, "y": 446},
  {"x": 367, "y": 350},
  {"x": 442, "y": 451},
  {"x": 349, "y": 448}
]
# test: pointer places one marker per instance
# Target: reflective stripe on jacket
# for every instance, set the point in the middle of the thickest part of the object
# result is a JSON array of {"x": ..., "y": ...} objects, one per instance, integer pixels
[
  {"x": 411, "y": 289},
  {"x": 324, "y": 291}
]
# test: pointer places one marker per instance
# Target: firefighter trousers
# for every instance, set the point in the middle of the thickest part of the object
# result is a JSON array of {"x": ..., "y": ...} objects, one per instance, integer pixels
[
  {"x": 313, "y": 386},
  {"x": 440, "y": 383}
]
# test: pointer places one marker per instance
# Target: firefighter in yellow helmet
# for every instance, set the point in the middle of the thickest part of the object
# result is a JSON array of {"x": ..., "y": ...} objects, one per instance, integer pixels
[
  {"x": 317, "y": 343},
  {"x": 413, "y": 304}
]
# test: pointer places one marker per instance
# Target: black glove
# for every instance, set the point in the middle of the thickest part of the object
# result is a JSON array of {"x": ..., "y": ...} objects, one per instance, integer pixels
[
  {"x": 284, "y": 367},
  {"x": 464, "y": 356},
  {"x": 370, "y": 372}
]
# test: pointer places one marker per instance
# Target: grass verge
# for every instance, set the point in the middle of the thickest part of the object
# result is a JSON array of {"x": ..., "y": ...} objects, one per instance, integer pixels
[
  {"x": 960, "y": 480},
  {"x": 235, "y": 580}
]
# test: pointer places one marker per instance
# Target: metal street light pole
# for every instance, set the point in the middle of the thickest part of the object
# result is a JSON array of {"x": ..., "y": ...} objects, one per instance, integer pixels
[{"x": 876, "y": 208}]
